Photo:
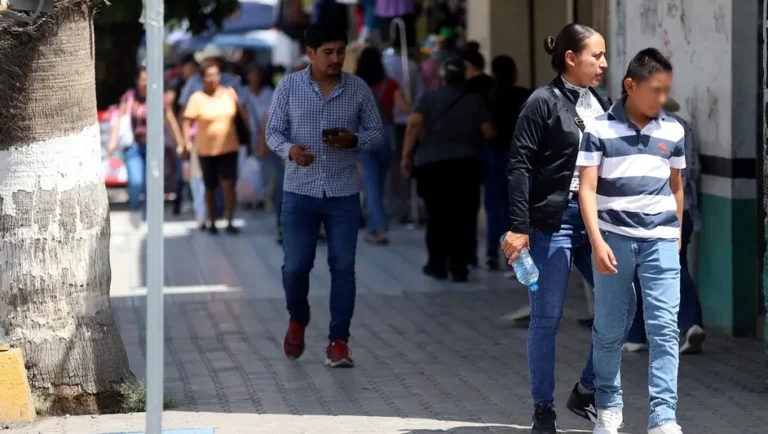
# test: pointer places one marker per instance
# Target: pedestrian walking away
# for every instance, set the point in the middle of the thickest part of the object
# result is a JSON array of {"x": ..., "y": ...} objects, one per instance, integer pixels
[
  {"x": 545, "y": 213},
  {"x": 451, "y": 126},
  {"x": 631, "y": 160},
  {"x": 320, "y": 120}
]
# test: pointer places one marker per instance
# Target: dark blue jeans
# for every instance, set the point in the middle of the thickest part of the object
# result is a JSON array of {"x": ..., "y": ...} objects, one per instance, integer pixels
[
  {"x": 301, "y": 220},
  {"x": 376, "y": 163},
  {"x": 690, "y": 308},
  {"x": 496, "y": 198},
  {"x": 554, "y": 255}
]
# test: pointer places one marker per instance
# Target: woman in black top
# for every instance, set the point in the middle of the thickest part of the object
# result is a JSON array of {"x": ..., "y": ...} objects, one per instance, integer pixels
[
  {"x": 455, "y": 125},
  {"x": 544, "y": 208}
]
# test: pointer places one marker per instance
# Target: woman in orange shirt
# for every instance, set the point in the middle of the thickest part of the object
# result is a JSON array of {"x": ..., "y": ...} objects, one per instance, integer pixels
[{"x": 215, "y": 109}]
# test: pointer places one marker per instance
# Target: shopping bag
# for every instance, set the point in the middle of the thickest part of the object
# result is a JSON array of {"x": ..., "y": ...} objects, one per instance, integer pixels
[{"x": 248, "y": 183}]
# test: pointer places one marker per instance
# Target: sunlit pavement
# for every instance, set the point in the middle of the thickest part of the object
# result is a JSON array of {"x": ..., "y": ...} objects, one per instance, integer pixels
[{"x": 431, "y": 357}]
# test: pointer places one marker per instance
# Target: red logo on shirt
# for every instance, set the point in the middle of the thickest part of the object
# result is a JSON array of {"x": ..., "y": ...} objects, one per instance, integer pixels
[{"x": 663, "y": 148}]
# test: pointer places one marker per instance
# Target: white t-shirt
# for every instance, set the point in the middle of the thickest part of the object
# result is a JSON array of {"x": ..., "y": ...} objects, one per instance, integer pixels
[{"x": 587, "y": 107}]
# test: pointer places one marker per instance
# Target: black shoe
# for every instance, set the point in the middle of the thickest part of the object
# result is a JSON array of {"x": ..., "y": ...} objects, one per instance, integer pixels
[
  {"x": 434, "y": 273},
  {"x": 492, "y": 264},
  {"x": 213, "y": 230},
  {"x": 544, "y": 420},
  {"x": 232, "y": 230},
  {"x": 460, "y": 278},
  {"x": 203, "y": 226},
  {"x": 582, "y": 404}
]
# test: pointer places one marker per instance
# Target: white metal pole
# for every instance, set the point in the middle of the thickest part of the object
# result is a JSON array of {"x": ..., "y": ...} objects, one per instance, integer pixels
[
  {"x": 398, "y": 25},
  {"x": 155, "y": 200}
]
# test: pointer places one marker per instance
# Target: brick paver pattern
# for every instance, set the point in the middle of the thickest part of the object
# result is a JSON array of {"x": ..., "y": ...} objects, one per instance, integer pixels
[{"x": 435, "y": 357}]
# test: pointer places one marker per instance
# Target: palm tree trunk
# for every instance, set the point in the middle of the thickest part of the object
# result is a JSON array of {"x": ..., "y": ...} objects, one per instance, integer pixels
[{"x": 54, "y": 216}]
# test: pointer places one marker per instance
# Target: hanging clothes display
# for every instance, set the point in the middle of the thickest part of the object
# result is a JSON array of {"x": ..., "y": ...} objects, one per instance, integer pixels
[
  {"x": 368, "y": 19},
  {"x": 388, "y": 10}
]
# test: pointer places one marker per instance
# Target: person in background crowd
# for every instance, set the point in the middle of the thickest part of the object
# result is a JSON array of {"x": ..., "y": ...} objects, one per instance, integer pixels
[
  {"x": 215, "y": 109},
  {"x": 321, "y": 181},
  {"x": 690, "y": 321},
  {"x": 134, "y": 104},
  {"x": 189, "y": 69},
  {"x": 482, "y": 84},
  {"x": 454, "y": 126},
  {"x": 544, "y": 206},
  {"x": 275, "y": 161},
  {"x": 278, "y": 72},
  {"x": 447, "y": 48},
  {"x": 260, "y": 98},
  {"x": 477, "y": 80},
  {"x": 169, "y": 98},
  {"x": 631, "y": 196},
  {"x": 472, "y": 46},
  {"x": 195, "y": 82},
  {"x": 376, "y": 162},
  {"x": 393, "y": 65},
  {"x": 506, "y": 101}
]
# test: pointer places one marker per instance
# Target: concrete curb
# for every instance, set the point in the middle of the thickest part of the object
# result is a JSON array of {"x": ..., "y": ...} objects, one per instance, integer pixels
[{"x": 15, "y": 396}]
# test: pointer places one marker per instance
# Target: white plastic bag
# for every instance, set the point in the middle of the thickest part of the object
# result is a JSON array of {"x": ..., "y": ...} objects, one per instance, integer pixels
[{"x": 249, "y": 181}]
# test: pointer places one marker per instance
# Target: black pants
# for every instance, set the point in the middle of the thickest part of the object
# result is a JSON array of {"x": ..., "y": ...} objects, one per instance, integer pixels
[{"x": 451, "y": 192}]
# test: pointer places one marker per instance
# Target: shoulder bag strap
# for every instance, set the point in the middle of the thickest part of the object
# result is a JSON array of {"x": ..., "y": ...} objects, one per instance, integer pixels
[
  {"x": 447, "y": 108},
  {"x": 570, "y": 107}
]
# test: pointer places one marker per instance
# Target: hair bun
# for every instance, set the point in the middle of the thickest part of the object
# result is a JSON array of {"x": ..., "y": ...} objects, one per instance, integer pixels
[{"x": 549, "y": 45}]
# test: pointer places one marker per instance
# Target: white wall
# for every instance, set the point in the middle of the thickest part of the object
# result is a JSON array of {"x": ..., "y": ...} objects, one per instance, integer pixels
[{"x": 698, "y": 40}]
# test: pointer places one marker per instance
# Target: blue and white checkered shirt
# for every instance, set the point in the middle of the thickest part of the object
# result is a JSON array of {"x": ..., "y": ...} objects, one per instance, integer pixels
[{"x": 298, "y": 115}]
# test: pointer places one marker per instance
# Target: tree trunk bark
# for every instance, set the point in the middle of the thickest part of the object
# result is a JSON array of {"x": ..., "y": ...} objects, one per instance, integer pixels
[{"x": 54, "y": 216}]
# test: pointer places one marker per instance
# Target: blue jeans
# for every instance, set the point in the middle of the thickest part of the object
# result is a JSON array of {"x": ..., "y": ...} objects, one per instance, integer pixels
[
  {"x": 555, "y": 254},
  {"x": 376, "y": 163},
  {"x": 301, "y": 220},
  {"x": 135, "y": 159},
  {"x": 690, "y": 308},
  {"x": 496, "y": 198},
  {"x": 657, "y": 264}
]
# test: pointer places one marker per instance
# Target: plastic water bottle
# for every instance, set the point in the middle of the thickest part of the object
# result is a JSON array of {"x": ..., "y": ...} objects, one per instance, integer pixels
[{"x": 525, "y": 269}]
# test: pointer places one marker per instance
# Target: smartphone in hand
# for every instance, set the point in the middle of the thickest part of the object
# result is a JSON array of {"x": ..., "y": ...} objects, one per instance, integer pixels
[{"x": 330, "y": 132}]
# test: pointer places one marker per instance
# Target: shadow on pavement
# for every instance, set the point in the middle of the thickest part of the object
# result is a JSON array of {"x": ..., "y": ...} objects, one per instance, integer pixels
[{"x": 425, "y": 350}]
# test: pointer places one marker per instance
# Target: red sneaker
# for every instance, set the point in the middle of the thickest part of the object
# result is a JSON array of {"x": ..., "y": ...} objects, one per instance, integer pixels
[
  {"x": 293, "y": 344},
  {"x": 337, "y": 355}
]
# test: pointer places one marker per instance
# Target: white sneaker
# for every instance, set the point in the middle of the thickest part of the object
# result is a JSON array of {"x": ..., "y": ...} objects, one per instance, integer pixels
[
  {"x": 667, "y": 428},
  {"x": 137, "y": 219},
  {"x": 694, "y": 337},
  {"x": 609, "y": 421},
  {"x": 631, "y": 347}
]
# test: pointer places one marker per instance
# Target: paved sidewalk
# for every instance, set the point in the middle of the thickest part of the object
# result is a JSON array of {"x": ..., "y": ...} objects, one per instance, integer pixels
[{"x": 432, "y": 357}]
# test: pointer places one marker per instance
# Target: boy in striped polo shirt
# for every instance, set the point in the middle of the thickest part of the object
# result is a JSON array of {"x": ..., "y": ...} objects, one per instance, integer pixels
[{"x": 631, "y": 197}]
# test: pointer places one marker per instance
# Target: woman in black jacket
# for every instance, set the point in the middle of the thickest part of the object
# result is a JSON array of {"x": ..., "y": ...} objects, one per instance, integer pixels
[{"x": 544, "y": 208}]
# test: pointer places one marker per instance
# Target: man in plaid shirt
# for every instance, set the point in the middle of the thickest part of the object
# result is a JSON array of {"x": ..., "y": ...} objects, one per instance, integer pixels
[{"x": 319, "y": 121}]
